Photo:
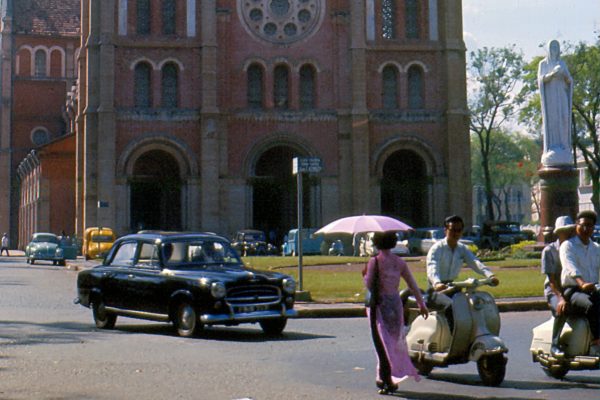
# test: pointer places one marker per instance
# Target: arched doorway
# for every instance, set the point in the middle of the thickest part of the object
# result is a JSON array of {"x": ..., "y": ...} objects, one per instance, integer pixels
[
  {"x": 404, "y": 188},
  {"x": 155, "y": 192},
  {"x": 274, "y": 191}
]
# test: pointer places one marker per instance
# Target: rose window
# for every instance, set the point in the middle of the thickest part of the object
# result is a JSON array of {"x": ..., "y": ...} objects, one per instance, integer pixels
[{"x": 281, "y": 21}]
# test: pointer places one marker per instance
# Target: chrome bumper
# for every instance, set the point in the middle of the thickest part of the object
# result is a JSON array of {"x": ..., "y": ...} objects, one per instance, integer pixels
[{"x": 246, "y": 317}]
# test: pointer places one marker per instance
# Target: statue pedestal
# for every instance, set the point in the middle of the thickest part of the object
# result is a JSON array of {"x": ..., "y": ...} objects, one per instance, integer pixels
[{"x": 558, "y": 186}]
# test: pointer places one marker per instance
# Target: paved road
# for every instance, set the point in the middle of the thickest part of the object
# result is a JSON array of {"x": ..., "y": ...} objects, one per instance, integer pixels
[{"x": 49, "y": 349}]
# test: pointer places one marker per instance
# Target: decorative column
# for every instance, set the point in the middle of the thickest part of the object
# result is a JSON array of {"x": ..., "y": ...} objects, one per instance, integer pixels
[{"x": 558, "y": 187}]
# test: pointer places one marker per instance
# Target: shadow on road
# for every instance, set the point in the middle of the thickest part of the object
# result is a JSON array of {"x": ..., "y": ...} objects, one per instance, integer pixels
[
  {"x": 19, "y": 333},
  {"x": 219, "y": 333}
]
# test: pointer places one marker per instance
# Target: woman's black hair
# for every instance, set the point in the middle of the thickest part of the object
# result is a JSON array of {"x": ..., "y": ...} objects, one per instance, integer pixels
[{"x": 385, "y": 240}]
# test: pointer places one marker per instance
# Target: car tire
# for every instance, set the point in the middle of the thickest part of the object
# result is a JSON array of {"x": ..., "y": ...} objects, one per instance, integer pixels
[
  {"x": 32, "y": 261},
  {"x": 273, "y": 327},
  {"x": 54, "y": 262},
  {"x": 186, "y": 320},
  {"x": 62, "y": 263},
  {"x": 102, "y": 318}
]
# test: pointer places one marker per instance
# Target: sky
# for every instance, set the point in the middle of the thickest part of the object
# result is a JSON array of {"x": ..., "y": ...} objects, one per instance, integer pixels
[{"x": 529, "y": 23}]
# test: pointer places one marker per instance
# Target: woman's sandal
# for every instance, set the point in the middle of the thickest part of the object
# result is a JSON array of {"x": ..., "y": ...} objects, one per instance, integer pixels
[{"x": 386, "y": 388}]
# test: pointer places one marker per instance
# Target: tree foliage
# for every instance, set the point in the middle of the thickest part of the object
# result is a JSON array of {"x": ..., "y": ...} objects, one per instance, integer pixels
[{"x": 495, "y": 74}]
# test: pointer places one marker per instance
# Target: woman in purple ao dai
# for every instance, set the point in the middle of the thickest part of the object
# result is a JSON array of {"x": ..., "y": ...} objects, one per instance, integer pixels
[{"x": 385, "y": 270}]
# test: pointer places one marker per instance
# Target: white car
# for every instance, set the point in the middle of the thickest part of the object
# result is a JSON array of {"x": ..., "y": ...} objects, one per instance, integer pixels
[{"x": 367, "y": 249}]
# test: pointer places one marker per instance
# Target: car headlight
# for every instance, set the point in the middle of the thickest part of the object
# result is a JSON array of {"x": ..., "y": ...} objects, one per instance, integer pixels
[
  {"x": 289, "y": 285},
  {"x": 59, "y": 252},
  {"x": 217, "y": 290}
]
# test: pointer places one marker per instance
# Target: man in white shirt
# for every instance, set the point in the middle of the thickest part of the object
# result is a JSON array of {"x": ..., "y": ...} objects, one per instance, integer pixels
[
  {"x": 580, "y": 259},
  {"x": 4, "y": 245},
  {"x": 444, "y": 262}
]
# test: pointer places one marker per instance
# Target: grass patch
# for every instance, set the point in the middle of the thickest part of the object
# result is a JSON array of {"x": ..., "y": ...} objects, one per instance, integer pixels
[{"x": 338, "y": 279}]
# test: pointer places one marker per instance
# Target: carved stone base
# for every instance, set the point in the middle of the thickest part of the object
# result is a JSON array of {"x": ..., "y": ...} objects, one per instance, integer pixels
[{"x": 558, "y": 187}]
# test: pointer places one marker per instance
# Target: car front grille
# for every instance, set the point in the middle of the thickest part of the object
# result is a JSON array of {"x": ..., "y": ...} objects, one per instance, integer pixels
[{"x": 253, "y": 295}]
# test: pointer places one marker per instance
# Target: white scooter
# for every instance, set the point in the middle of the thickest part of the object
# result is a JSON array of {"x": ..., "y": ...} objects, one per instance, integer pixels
[
  {"x": 575, "y": 341},
  {"x": 474, "y": 337}
]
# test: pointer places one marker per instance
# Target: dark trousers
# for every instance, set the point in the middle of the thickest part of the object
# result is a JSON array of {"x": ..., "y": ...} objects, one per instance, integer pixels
[
  {"x": 442, "y": 302},
  {"x": 3, "y": 249},
  {"x": 587, "y": 304},
  {"x": 559, "y": 320}
]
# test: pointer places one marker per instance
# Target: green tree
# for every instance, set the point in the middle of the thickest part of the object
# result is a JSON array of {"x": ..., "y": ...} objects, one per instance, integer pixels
[
  {"x": 495, "y": 74},
  {"x": 513, "y": 158}
]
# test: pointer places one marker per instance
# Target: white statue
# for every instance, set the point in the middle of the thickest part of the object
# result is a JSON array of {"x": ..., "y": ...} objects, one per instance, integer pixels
[{"x": 556, "y": 92}]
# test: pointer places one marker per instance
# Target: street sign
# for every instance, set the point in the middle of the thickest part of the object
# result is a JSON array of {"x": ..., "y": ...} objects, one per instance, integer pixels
[{"x": 306, "y": 164}]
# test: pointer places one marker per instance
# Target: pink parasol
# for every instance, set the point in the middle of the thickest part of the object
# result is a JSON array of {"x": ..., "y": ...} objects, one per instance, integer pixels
[{"x": 364, "y": 223}]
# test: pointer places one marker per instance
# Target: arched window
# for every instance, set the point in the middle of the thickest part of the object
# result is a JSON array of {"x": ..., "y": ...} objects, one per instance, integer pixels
[
  {"x": 169, "y": 86},
  {"x": 281, "y": 87},
  {"x": 415, "y": 88},
  {"x": 142, "y": 83},
  {"x": 143, "y": 17},
  {"x": 388, "y": 14},
  {"x": 169, "y": 14},
  {"x": 307, "y": 87},
  {"x": 40, "y": 64},
  {"x": 412, "y": 19},
  {"x": 389, "y": 88},
  {"x": 255, "y": 86}
]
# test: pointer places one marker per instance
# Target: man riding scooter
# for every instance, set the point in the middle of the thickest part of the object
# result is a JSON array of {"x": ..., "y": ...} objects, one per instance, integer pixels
[
  {"x": 444, "y": 262},
  {"x": 580, "y": 259},
  {"x": 563, "y": 230}
]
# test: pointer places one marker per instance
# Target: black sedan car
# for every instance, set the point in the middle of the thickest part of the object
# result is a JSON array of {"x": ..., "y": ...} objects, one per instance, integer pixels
[{"x": 189, "y": 279}]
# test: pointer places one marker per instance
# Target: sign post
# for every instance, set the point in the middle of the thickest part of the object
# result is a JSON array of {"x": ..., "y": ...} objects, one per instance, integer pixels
[{"x": 300, "y": 165}]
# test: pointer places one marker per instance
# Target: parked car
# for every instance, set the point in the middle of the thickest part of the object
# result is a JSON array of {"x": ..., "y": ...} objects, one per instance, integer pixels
[
  {"x": 189, "y": 279},
  {"x": 367, "y": 249},
  {"x": 252, "y": 242},
  {"x": 97, "y": 241},
  {"x": 498, "y": 234},
  {"x": 422, "y": 239},
  {"x": 310, "y": 244},
  {"x": 49, "y": 247}
]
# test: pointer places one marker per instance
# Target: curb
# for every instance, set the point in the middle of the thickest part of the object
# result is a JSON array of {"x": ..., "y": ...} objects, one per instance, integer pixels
[{"x": 319, "y": 310}]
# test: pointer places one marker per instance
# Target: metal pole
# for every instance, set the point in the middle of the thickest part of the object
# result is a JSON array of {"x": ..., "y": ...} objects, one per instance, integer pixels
[{"x": 299, "y": 233}]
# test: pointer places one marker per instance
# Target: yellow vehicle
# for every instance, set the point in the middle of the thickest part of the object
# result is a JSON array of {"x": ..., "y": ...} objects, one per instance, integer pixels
[{"x": 97, "y": 241}]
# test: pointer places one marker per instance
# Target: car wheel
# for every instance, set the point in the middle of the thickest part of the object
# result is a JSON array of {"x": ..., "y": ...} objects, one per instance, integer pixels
[
  {"x": 27, "y": 260},
  {"x": 186, "y": 320},
  {"x": 62, "y": 263},
  {"x": 32, "y": 261},
  {"x": 54, "y": 262},
  {"x": 102, "y": 318},
  {"x": 273, "y": 326}
]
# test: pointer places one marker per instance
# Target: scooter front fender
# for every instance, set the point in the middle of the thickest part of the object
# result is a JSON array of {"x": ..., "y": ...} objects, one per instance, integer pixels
[{"x": 486, "y": 345}]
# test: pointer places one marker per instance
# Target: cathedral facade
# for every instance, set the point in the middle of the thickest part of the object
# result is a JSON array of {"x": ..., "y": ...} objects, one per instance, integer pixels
[{"x": 187, "y": 114}]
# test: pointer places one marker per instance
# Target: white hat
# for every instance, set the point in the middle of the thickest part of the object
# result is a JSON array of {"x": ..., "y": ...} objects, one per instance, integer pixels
[{"x": 563, "y": 223}]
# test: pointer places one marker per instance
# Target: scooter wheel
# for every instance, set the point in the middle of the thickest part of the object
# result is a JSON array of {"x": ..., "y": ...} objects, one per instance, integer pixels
[
  {"x": 492, "y": 369},
  {"x": 556, "y": 371}
]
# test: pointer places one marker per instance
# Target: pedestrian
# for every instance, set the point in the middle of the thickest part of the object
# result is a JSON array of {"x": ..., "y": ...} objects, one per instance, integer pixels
[
  {"x": 4, "y": 246},
  {"x": 382, "y": 277},
  {"x": 564, "y": 228},
  {"x": 580, "y": 259}
]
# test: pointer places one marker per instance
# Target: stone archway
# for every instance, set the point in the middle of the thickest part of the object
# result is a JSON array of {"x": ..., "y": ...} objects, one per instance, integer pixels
[
  {"x": 274, "y": 193},
  {"x": 404, "y": 188},
  {"x": 155, "y": 192}
]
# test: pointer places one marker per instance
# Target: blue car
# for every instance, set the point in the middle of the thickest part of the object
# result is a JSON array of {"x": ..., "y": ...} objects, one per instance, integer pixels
[{"x": 310, "y": 244}]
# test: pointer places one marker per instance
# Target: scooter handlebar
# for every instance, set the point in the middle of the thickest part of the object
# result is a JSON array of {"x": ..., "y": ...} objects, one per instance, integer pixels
[{"x": 469, "y": 283}]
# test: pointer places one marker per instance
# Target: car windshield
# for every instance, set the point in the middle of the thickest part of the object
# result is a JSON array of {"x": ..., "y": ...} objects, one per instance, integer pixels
[
  {"x": 198, "y": 253},
  {"x": 438, "y": 234},
  {"x": 102, "y": 239},
  {"x": 254, "y": 236},
  {"x": 45, "y": 238}
]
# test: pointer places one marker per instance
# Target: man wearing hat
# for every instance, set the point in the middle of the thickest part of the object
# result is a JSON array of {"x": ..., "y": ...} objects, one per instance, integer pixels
[
  {"x": 564, "y": 228},
  {"x": 580, "y": 260}
]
